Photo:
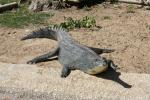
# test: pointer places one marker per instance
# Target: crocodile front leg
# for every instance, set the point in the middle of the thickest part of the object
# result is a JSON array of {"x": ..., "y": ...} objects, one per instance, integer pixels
[
  {"x": 65, "y": 71},
  {"x": 111, "y": 64},
  {"x": 44, "y": 57}
]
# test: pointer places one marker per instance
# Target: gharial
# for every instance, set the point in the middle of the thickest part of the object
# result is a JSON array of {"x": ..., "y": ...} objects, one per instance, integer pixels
[{"x": 72, "y": 55}]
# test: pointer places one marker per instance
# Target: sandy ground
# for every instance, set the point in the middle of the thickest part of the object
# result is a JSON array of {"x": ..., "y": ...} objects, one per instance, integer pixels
[
  {"x": 127, "y": 33},
  {"x": 29, "y": 82}
]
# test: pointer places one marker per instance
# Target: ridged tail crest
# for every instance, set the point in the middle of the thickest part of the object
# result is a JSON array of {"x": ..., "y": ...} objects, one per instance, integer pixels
[{"x": 47, "y": 32}]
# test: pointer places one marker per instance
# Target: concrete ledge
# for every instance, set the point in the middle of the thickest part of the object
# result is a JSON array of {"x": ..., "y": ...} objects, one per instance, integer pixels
[{"x": 21, "y": 81}]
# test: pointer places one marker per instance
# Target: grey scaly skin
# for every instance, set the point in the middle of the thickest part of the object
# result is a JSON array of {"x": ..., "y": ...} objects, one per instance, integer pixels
[{"x": 71, "y": 55}]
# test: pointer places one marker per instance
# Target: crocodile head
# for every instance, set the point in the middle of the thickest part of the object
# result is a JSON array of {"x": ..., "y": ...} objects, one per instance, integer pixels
[{"x": 99, "y": 65}]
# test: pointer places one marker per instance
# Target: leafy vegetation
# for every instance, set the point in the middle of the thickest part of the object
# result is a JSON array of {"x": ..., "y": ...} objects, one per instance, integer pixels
[
  {"x": 70, "y": 23},
  {"x": 106, "y": 17},
  {"x": 130, "y": 9},
  {"x": 22, "y": 17}
]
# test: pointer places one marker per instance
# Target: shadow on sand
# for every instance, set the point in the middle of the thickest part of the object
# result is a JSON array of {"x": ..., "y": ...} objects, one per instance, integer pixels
[
  {"x": 86, "y": 3},
  {"x": 113, "y": 75},
  {"x": 90, "y": 3}
]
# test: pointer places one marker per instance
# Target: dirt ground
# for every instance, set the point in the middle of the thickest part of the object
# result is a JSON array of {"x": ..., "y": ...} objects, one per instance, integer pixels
[{"x": 127, "y": 33}]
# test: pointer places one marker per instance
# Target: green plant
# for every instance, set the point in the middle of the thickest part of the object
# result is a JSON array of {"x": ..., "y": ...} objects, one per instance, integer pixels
[
  {"x": 106, "y": 17},
  {"x": 130, "y": 9},
  {"x": 22, "y": 17},
  {"x": 88, "y": 22},
  {"x": 70, "y": 23}
]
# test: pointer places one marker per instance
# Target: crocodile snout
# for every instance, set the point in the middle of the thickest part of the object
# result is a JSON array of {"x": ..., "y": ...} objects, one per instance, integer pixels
[{"x": 99, "y": 68}]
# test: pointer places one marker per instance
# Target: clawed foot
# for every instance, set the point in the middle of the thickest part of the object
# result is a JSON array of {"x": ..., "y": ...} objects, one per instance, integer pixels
[
  {"x": 65, "y": 72},
  {"x": 63, "y": 75},
  {"x": 32, "y": 62},
  {"x": 112, "y": 65}
]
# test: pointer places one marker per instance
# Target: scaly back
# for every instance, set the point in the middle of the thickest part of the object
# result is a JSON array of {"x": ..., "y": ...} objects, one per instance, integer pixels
[{"x": 55, "y": 33}]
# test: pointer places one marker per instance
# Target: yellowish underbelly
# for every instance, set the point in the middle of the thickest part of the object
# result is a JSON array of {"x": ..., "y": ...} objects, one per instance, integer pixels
[{"x": 96, "y": 70}]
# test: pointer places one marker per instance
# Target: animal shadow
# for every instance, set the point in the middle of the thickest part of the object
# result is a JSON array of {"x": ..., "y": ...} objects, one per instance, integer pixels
[
  {"x": 113, "y": 75},
  {"x": 86, "y": 3},
  {"x": 50, "y": 59}
]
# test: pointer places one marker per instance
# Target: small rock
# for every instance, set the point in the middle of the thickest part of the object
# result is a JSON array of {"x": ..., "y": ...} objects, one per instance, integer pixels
[
  {"x": 117, "y": 6},
  {"x": 2, "y": 34},
  {"x": 9, "y": 33},
  {"x": 14, "y": 32},
  {"x": 27, "y": 30}
]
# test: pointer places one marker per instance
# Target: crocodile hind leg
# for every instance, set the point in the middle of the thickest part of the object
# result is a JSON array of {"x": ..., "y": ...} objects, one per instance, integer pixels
[
  {"x": 100, "y": 51},
  {"x": 44, "y": 57},
  {"x": 65, "y": 71}
]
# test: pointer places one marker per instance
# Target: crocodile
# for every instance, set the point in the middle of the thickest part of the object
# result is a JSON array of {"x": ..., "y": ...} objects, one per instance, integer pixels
[{"x": 71, "y": 54}]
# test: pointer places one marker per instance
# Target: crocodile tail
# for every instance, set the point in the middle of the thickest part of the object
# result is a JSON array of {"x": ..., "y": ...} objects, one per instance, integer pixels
[{"x": 42, "y": 33}]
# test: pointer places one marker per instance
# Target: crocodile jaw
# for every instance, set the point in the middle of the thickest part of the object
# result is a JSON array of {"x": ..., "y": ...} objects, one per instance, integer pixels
[{"x": 97, "y": 69}]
